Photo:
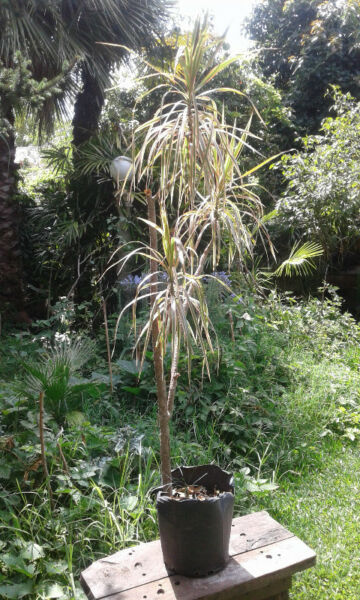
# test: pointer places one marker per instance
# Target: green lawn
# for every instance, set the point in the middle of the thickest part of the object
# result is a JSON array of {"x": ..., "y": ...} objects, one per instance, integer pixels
[{"x": 323, "y": 509}]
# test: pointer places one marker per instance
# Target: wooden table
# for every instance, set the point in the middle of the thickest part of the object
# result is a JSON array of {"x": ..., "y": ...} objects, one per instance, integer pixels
[{"x": 264, "y": 556}]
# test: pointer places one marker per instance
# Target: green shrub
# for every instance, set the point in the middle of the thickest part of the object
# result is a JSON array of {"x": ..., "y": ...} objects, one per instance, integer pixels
[{"x": 322, "y": 198}]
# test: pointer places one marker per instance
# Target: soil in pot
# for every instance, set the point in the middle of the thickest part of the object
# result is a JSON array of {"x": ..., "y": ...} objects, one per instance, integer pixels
[{"x": 195, "y": 522}]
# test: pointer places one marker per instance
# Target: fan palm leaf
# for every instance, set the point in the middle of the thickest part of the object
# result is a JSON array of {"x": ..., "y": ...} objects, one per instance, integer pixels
[{"x": 300, "y": 260}]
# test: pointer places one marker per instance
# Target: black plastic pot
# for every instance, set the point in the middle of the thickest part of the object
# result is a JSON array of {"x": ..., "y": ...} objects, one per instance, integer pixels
[{"x": 195, "y": 533}]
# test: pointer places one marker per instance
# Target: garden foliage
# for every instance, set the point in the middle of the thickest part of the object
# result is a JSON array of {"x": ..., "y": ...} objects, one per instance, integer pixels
[
  {"x": 287, "y": 381},
  {"x": 322, "y": 199}
]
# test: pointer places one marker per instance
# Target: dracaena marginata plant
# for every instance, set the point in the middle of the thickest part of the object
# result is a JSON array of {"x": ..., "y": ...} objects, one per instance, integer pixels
[{"x": 199, "y": 201}]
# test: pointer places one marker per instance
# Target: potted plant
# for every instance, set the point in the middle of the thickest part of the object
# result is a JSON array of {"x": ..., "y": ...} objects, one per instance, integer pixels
[{"x": 198, "y": 201}]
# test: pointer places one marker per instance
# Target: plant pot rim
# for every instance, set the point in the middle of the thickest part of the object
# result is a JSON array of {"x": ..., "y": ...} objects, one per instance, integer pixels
[
  {"x": 184, "y": 470},
  {"x": 164, "y": 497}
]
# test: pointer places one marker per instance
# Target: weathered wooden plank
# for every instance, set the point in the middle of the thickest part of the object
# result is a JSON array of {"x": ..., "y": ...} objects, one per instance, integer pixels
[
  {"x": 123, "y": 570},
  {"x": 144, "y": 563},
  {"x": 245, "y": 573},
  {"x": 254, "y": 531},
  {"x": 276, "y": 590}
]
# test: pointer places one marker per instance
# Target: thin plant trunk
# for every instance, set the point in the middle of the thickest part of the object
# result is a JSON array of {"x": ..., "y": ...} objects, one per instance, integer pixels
[
  {"x": 63, "y": 459},
  {"x": 173, "y": 376},
  {"x": 107, "y": 344},
  {"x": 163, "y": 412},
  {"x": 42, "y": 445},
  {"x": 231, "y": 321}
]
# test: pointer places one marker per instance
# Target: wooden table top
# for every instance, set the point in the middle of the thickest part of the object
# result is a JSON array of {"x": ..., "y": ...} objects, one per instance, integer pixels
[{"x": 263, "y": 554}]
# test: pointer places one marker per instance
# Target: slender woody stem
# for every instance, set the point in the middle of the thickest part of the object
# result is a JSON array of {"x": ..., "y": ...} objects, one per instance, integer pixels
[
  {"x": 163, "y": 413},
  {"x": 107, "y": 344},
  {"x": 42, "y": 446},
  {"x": 173, "y": 376}
]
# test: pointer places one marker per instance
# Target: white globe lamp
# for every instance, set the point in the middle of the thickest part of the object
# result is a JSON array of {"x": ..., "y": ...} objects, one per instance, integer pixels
[{"x": 120, "y": 169}]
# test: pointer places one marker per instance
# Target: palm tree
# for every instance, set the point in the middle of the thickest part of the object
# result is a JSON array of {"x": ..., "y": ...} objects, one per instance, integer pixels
[
  {"x": 28, "y": 30},
  {"x": 33, "y": 31},
  {"x": 201, "y": 201},
  {"x": 136, "y": 24},
  {"x": 10, "y": 256},
  {"x": 201, "y": 205},
  {"x": 51, "y": 35}
]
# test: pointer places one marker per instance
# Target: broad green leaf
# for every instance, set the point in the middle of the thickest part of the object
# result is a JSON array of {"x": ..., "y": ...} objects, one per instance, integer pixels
[
  {"x": 16, "y": 590},
  {"x": 132, "y": 390},
  {"x": 130, "y": 366},
  {"x": 75, "y": 418},
  {"x": 129, "y": 502},
  {"x": 257, "y": 486},
  {"x": 246, "y": 317},
  {"x": 56, "y": 567},
  {"x": 17, "y": 564},
  {"x": 32, "y": 551},
  {"x": 51, "y": 590}
]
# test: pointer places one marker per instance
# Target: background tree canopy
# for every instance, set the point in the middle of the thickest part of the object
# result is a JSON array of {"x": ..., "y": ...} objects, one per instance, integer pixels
[
  {"x": 73, "y": 219},
  {"x": 306, "y": 45},
  {"x": 59, "y": 39}
]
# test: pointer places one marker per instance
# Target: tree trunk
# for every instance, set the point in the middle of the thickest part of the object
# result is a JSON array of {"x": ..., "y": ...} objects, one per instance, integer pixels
[
  {"x": 87, "y": 110},
  {"x": 11, "y": 274},
  {"x": 163, "y": 412}
]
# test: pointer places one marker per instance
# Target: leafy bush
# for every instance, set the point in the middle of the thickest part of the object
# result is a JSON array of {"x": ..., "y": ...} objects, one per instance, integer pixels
[
  {"x": 276, "y": 392},
  {"x": 322, "y": 199}
]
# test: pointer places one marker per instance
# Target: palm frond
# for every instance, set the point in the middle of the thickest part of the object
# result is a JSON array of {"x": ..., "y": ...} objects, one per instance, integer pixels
[
  {"x": 300, "y": 260},
  {"x": 58, "y": 158}
]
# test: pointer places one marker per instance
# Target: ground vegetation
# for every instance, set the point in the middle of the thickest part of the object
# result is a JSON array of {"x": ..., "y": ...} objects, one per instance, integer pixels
[{"x": 274, "y": 387}]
